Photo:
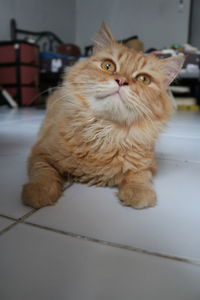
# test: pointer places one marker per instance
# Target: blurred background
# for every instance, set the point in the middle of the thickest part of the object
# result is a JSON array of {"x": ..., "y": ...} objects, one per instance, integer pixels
[{"x": 40, "y": 39}]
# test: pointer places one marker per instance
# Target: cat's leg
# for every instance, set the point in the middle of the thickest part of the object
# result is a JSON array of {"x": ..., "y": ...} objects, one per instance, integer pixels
[
  {"x": 45, "y": 185},
  {"x": 136, "y": 190}
]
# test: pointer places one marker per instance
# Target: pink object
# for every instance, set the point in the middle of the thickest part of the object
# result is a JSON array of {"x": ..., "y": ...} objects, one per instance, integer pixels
[{"x": 121, "y": 81}]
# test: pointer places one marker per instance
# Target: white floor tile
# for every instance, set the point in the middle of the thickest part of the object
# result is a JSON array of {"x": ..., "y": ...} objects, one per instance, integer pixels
[
  {"x": 17, "y": 141},
  {"x": 18, "y": 130},
  {"x": 13, "y": 176},
  {"x": 18, "y": 133},
  {"x": 171, "y": 227},
  {"x": 186, "y": 118},
  {"x": 4, "y": 223},
  {"x": 183, "y": 125},
  {"x": 37, "y": 264},
  {"x": 178, "y": 148},
  {"x": 8, "y": 115}
]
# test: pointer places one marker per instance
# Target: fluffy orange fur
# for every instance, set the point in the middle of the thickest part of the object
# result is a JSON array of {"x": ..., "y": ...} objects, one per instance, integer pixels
[{"x": 101, "y": 126}]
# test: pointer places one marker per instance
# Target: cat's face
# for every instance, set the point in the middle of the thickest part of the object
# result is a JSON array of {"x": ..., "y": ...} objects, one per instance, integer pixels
[{"x": 122, "y": 85}]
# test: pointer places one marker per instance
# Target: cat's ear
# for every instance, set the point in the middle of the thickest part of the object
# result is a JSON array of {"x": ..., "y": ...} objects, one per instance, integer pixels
[
  {"x": 103, "y": 38},
  {"x": 171, "y": 67}
]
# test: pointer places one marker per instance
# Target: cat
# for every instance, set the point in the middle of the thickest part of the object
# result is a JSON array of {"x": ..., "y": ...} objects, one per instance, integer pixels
[{"x": 101, "y": 125}]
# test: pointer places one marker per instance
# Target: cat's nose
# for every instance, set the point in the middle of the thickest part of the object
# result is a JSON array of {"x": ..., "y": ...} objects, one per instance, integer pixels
[{"x": 121, "y": 81}]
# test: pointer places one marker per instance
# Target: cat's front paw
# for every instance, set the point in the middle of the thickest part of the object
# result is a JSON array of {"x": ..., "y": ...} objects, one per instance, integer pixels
[
  {"x": 37, "y": 195},
  {"x": 138, "y": 197}
]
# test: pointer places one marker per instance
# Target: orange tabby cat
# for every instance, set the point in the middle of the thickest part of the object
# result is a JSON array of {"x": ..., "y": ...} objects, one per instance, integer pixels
[{"x": 102, "y": 124}]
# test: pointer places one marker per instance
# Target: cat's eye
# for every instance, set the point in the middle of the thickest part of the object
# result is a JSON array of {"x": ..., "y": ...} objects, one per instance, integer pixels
[
  {"x": 108, "y": 65},
  {"x": 143, "y": 78}
]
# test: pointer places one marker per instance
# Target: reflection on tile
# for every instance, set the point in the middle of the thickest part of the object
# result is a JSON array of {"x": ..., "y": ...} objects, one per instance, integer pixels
[
  {"x": 12, "y": 116},
  {"x": 38, "y": 264},
  {"x": 17, "y": 136},
  {"x": 18, "y": 130}
]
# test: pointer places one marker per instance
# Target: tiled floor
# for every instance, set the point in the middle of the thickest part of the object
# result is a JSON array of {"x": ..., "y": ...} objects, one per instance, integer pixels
[{"x": 90, "y": 247}]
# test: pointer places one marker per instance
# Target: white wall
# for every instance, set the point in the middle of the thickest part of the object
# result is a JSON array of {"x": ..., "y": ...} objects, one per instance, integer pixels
[
  {"x": 195, "y": 18},
  {"x": 38, "y": 15},
  {"x": 158, "y": 23}
]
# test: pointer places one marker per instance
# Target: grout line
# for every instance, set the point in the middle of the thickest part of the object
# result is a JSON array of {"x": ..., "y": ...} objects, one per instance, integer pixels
[
  {"x": 116, "y": 245},
  {"x": 168, "y": 135},
  {"x": 178, "y": 160},
  {"x": 16, "y": 221},
  {"x": 8, "y": 218}
]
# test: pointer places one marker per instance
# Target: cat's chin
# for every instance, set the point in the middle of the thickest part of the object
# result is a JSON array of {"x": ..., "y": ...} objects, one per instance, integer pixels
[
  {"x": 113, "y": 108},
  {"x": 105, "y": 95},
  {"x": 114, "y": 97},
  {"x": 118, "y": 114}
]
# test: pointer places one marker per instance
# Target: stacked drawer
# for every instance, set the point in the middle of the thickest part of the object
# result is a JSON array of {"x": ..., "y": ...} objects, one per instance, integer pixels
[{"x": 19, "y": 70}]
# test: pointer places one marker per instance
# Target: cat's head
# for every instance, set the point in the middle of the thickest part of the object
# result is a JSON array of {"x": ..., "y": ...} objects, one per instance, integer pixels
[{"x": 122, "y": 85}]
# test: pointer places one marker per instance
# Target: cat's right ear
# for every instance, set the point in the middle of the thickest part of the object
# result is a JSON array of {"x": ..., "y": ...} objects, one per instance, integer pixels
[
  {"x": 171, "y": 67},
  {"x": 103, "y": 39}
]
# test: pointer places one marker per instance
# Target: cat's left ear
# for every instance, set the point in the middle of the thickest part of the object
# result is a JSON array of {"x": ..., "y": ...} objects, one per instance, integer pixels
[
  {"x": 171, "y": 67},
  {"x": 103, "y": 39}
]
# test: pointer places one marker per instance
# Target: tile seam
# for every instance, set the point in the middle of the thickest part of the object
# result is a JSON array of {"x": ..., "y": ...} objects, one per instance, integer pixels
[
  {"x": 115, "y": 245},
  {"x": 8, "y": 217},
  {"x": 158, "y": 157},
  {"x": 15, "y": 221}
]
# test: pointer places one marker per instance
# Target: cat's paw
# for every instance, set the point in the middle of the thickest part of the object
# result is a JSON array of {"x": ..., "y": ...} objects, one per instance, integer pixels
[
  {"x": 137, "y": 197},
  {"x": 37, "y": 195}
]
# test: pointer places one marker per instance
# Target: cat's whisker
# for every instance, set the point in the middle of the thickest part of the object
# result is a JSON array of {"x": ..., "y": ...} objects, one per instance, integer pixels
[
  {"x": 60, "y": 98},
  {"x": 139, "y": 106},
  {"x": 143, "y": 109}
]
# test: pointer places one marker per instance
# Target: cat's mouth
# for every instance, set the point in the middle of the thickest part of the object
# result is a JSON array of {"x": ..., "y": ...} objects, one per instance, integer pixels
[{"x": 116, "y": 92}]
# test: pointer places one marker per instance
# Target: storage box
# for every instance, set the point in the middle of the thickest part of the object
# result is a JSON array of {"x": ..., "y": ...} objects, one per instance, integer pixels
[
  {"x": 28, "y": 53},
  {"x": 19, "y": 70},
  {"x": 28, "y": 75}
]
